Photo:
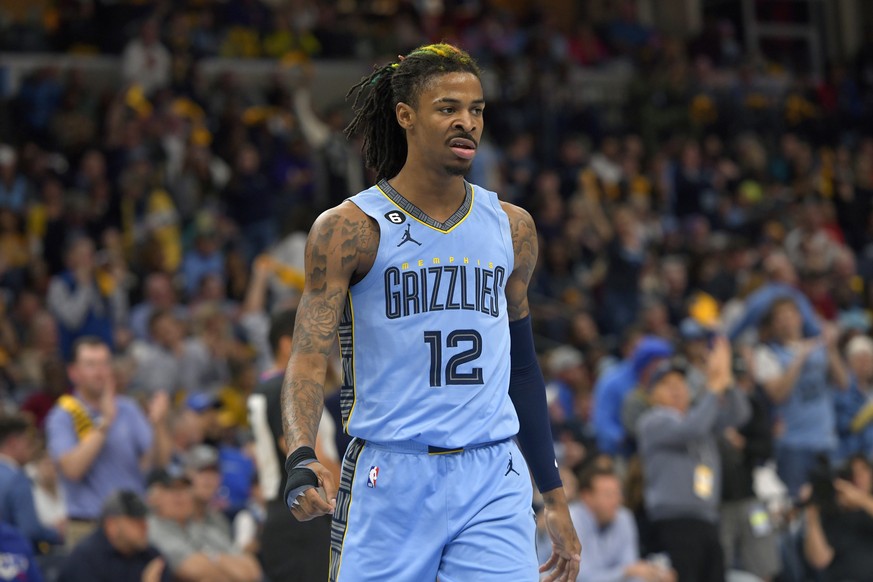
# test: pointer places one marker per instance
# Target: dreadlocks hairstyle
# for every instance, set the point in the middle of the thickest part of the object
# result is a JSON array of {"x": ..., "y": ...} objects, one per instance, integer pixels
[{"x": 377, "y": 96}]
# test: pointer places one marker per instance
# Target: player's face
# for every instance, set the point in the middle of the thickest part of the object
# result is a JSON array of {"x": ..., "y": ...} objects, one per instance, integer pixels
[{"x": 448, "y": 121}]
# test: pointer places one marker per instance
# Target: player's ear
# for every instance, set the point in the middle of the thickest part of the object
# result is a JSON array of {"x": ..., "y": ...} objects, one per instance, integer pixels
[{"x": 405, "y": 115}]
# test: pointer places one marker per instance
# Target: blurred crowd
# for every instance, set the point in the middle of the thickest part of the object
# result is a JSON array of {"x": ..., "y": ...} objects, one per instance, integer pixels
[{"x": 151, "y": 236}]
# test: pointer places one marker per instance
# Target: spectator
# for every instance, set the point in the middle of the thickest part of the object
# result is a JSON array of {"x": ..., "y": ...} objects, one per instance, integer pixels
[
  {"x": 615, "y": 384},
  {"x": 39, "y": 99},
  {"x": 853, "y": 406},
  {"x": 251, "y": 202},
  {"x": 14, "y": 187},
  {"x": 254, "y": 321},
  {"x": 342, "y": 166},
  {"x": 118, "y": 550},
  {"x": 19, "y": 564},
  {"x": 281, "y": 532},
  {"x": 196, "y": 548},
  {"x": 203, "y": 469},
  {"x": 681, "y": 463},
  {"x": 748, "y": 535},
  {"x": 203, "y": 260},
  {"x": 207, "y": 407},
  {"x": 13, "y": 248},
  {"x": 146, "y": 61},
  {"x": 186, "y": 431},
  {"x": 173, "y": 362},
  {"x": 585, "y": 47},
  {"x": 625, "y": 254},
  {"x": 567, "y": 375},
  {"x": 839, "y": 523},
  {"x": 148, "y": 216},
  {"x": 782, "y": 281},
  {"x": 16, "y": 499},
  {"x": 610, "y": 533},
  {"x": 101, "y": 441},
  {"x": 810, "y": 246},
  {"x": 626, "y": 35},
  {"x": 41, "y": 348},
  {"x": 797, "y": 375},
  {"x": 695, "y": 340},
  {"x": 48, "y": 497},
  {"x": 637, "y": 402},
  {"x": 159, "y": 296},
  {"x": 235, "y": 462},
  {"x": 54, "y": 385},
  {"x": 84, "y": 304},
  {"x": 53, "y": 235},
  {"x": 248, "y": 523},
  {"x": 693, "y": 188}
]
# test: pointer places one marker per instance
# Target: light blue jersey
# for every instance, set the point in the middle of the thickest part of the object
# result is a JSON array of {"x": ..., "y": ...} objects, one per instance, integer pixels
[
  {"x": 425, "y": 334},
  {"x": 425, "y": 344}
]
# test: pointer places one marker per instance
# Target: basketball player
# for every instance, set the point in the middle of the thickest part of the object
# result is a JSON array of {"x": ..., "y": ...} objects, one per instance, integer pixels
[{"x": 424, "y": 277}]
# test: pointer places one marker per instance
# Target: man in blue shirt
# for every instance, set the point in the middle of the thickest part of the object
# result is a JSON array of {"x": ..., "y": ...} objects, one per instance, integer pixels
[
  {"x": 610, "y": 533},
  {"x": 100, "y": 441},
  {"x": 16, "y": 498}
]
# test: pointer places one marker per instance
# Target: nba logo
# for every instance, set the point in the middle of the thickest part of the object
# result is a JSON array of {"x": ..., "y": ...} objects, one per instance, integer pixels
[{"x": 372, "y": 476}]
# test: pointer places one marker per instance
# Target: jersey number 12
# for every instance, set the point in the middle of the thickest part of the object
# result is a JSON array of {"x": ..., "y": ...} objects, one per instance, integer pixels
[{"x": 454, "y": 377}]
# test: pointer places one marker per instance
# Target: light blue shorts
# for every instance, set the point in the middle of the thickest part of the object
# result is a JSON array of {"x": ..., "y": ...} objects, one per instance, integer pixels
[{"x": 405, "y": 514}]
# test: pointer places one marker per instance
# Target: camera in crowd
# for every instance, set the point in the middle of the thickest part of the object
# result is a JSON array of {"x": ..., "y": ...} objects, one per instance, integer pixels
[{"x": 821, "y": 480}]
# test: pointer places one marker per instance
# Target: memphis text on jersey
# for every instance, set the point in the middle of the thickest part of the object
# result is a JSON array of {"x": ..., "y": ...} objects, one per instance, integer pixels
[{"x": 453, "y": 283}]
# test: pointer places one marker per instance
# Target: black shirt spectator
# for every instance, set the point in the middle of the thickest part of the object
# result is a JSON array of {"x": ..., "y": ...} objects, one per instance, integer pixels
[
  {"x": 118, "y": 551},
  {"x": 290, "y": 549},
  {"x": 850, "y": 534},
  {"x": 838, "y": 538},
  {"x": 738, "y": 463}
]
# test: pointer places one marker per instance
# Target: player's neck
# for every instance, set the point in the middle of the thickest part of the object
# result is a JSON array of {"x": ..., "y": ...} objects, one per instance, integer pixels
[{"x": 433, "y": 191}]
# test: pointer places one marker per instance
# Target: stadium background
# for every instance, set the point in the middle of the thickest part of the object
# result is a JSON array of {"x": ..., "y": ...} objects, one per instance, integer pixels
[{"x": 667, "y": 150}]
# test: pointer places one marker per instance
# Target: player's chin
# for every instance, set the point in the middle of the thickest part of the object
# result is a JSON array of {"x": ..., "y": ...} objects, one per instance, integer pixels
[{"x": 460, "y": 168}]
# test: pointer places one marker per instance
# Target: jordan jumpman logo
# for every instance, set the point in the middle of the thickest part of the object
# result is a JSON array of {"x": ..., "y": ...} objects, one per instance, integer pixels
[
  {"x": 510, "y": 468},
  {"x": 408, "y": 237}
]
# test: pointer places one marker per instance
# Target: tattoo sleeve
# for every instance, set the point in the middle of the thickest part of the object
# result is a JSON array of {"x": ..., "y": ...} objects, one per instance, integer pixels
[
  {"x": 524, "y": 244},
  {"x": 336, "y": 244}
]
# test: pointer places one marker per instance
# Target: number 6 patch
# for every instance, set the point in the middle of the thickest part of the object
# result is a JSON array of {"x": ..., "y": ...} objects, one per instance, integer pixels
[{"x": 396, "y": 217}]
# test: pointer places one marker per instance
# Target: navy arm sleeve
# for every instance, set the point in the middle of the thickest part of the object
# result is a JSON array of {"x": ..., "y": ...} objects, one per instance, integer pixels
[{"x": 527, "y": 390}]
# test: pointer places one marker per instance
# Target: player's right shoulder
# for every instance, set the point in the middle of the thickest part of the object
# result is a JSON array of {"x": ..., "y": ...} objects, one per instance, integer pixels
[
  {"x": 347, "y": 233},
  {"x": 344, "y": 221},
  {"x": 342, "y": 214},
  {"x": 516, "y": 214}
]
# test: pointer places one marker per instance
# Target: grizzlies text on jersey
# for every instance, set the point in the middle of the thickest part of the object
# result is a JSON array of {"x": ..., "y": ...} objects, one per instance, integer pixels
[{"x": 425, "y": 335}]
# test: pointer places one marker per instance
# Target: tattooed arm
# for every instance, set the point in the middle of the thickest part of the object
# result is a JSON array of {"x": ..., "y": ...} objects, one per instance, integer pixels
[
  {"x": 527, "y": 391},
  {"x": 340, "y": 249},
  {"x": 525, "y": 247}
]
